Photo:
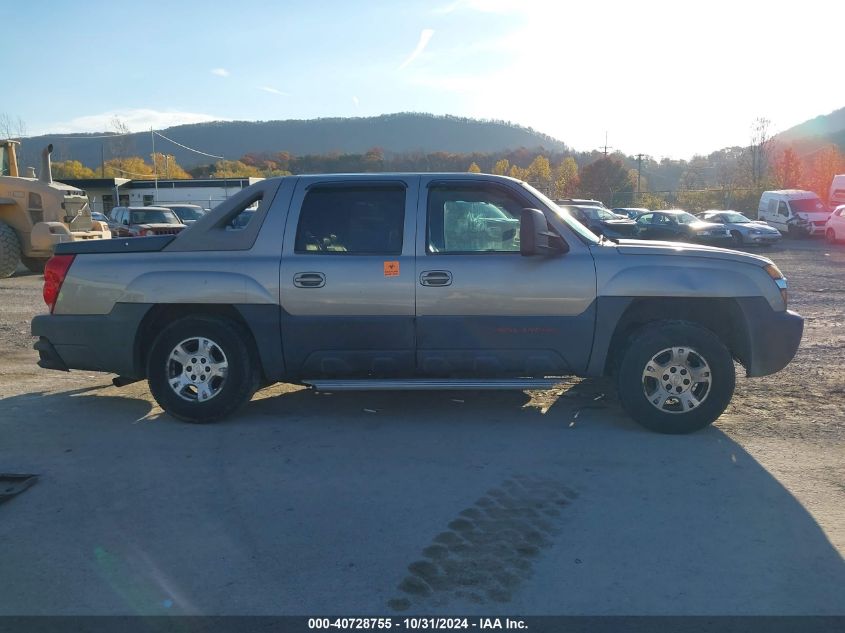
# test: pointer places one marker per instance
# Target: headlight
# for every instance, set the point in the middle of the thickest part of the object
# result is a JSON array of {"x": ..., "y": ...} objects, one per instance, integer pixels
[
  {"x": 147, "y": 232},
  {"x": 705, "y": 233},
  {"x": 779, "y": 279},
  {"x": 756, "y": 231}
]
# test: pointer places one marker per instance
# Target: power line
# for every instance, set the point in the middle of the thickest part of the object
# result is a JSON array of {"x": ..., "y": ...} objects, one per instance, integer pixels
[{"x": 190, "y": 149}]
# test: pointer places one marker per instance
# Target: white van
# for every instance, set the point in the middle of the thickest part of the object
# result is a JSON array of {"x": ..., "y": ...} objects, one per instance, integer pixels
[
  {"x": 793, "y": 211},
  {"x": 837, "y": 191}
]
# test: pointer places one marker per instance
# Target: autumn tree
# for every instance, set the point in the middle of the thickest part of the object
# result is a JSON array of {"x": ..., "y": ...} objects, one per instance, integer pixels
[
  {"x": 787, "y": 169},
  {"x": 133, "y": 167},
  {"x": 167, "y": 167},
  {"x": 502, "y": 167},
  {"x": 605, "y": 178},
  {"x": 565, "y": 176},
  {"x": 474, "y": 168},
  {"x": 234, "y": 169},
  {"x": 539, "y": 174},
  {"x": 820, "y": 169},
  {"x": 71, "y": 169},
  {"x": 518, "y": 172}
]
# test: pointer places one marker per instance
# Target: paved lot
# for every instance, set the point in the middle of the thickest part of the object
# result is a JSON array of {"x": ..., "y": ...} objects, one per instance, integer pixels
[{"x": 529, "y": 503}]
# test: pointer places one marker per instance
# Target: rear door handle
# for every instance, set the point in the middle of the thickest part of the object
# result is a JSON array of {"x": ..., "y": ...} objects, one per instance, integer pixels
[
  {"x": 309, "y": 280},
  {"x": 436, "y": 278}
]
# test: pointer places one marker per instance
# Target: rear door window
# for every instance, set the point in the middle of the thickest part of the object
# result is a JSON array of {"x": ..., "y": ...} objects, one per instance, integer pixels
[{"x": 352, "y": 220}]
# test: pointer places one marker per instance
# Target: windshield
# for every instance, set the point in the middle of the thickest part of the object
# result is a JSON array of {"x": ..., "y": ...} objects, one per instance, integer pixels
[
  {"x": 685, "y": 218},
  {"x": 735, "y": 218},
  {"x": 808, "y": 205},
  {"x": 189, "y": 213},
  {"x": 586, "y": 234},
  {"x": 157, "y": 216}
]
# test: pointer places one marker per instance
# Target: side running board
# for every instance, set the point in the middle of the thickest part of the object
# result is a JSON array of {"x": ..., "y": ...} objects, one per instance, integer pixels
[{"x": 433, "y": 384}]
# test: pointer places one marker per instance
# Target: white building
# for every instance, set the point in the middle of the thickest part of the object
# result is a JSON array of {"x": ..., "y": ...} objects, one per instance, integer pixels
[{"x": 105, "y": 193}]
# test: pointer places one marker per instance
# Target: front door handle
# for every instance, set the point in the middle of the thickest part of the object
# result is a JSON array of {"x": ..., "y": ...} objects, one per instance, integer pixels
[
  {"x": 309, "y": 280},
  {"x": 436, "y": 278}
]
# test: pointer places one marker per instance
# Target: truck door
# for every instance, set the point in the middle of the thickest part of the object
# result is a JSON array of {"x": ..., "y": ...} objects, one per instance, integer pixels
[
  {"x": 482, "y": 308},
  {"x": 782, "y": 216},
  {"x": 347, "y": 278}
]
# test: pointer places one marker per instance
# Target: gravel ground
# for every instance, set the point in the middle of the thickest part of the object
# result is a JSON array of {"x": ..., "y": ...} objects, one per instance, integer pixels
[{"x": 538, "y": 503}]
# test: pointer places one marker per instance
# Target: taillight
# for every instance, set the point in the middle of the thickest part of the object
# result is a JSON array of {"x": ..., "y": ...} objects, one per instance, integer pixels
[{"x": 54, "y": 276}]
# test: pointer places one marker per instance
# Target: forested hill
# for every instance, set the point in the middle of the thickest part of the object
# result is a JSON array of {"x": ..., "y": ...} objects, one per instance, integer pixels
[
  {"x": 394, "y": 133},
  {"x": 817, "y": 132}
]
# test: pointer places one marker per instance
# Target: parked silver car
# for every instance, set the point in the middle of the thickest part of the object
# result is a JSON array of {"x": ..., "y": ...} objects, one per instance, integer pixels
[{"x": 742, "y": 229}]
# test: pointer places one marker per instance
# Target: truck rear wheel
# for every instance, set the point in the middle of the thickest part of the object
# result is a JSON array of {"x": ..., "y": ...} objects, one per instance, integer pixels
[
  {"x": 34, "y": 265},
  {"x": 200, "y": 368},
  {"x": 10, "y": 251},
  {"x": 676, "y": 377}
]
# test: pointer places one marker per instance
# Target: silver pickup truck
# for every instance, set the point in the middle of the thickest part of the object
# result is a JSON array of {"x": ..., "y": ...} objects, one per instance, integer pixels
[{"x": 413, "y": 281}]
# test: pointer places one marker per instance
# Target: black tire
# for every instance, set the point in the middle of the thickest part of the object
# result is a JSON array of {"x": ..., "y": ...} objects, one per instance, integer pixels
[
  {"x": 10, "y": 251},
  {"x": 737, "y": 237},
  {"x": 648, "y": 342},
  {"x": 242, "y": 376},
  {"x": 34, "y": 265}
]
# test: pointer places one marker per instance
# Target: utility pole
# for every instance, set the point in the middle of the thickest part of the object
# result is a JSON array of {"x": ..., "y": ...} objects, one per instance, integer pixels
[
  {"x": 102, "y": 161},
  {"x": 639, "y": 171},
  {"x": 605, "y": 146}
]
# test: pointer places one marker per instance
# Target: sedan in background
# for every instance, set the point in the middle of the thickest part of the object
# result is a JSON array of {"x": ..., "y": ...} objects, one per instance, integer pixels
[
  {"x": 187, "y": 213},
  {"x": 834, "y": 230},
  {"x": 677, "y": 224},
  {"x": 603, "y": 222},
  {"x": 631, "y": 213},
  {"x": 743, "y": 230}
]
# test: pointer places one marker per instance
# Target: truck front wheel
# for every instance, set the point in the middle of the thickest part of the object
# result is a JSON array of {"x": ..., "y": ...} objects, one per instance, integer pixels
[
  {"x": 10, "y": 251},
  {"x": 200, "y": 368},
  {"x": 675, "y": 377}
]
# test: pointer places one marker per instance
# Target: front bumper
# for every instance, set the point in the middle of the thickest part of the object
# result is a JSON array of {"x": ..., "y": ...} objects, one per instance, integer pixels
[
  {"x": 773, "y": 337},
  {"x": 763, "y": 239}
]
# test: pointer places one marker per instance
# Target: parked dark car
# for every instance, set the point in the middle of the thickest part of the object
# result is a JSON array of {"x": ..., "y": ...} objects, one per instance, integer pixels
[
  {"x": 579, "y": 202},
  {"x": 143, "y": 222},
  {"x": 187, "y": 213},
  {"x": 631, "y": 213},
  {"x": 603, "y": 222},
  {"x": 677, "y": 224}
]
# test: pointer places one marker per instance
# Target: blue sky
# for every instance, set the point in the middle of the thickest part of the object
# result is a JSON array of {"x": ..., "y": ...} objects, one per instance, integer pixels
[{"x": 663, "y": 78}]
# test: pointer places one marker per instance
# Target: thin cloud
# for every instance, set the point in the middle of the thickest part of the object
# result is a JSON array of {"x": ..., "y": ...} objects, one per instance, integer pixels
[
  {"x": 355, "y": 101},
  {"x": 425, "y": 36},
  {"x": 273, "y": 91},
  {"x": 137, "y": 120},
  {"x": 220, "y": 72}
]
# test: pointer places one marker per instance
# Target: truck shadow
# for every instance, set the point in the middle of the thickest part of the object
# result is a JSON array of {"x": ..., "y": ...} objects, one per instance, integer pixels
[{"x": 441, "y": 502}]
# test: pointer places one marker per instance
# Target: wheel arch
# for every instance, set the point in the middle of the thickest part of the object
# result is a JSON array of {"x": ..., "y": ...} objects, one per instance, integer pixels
[
  {"x": 260, "y": 322},
  {"x": 722, "y": 316}
]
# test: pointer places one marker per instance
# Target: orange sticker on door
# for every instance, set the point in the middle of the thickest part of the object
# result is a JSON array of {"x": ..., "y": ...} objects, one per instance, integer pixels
[{"x": 391, "y": 269}]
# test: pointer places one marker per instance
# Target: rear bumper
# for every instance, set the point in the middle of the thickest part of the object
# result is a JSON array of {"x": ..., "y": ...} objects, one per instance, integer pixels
[{"x": 102, "y": 342}]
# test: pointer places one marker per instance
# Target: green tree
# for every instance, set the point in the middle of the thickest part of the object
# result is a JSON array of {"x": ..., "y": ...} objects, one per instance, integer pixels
[
  {"x": 604, "y": 179},
  {"x": 71, "y": 169},
  {"x": 474, "y": 169},
  {"x": 501, "y": 167}
]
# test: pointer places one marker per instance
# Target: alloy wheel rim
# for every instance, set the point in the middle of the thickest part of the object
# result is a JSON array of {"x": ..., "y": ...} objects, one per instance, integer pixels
[
  {"x": 676, "y": 380},
  {"x": 197, "y": 369}
]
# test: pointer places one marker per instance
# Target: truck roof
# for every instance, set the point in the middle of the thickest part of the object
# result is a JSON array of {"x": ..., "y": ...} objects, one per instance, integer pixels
[{"x": 792, "y": 193}]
